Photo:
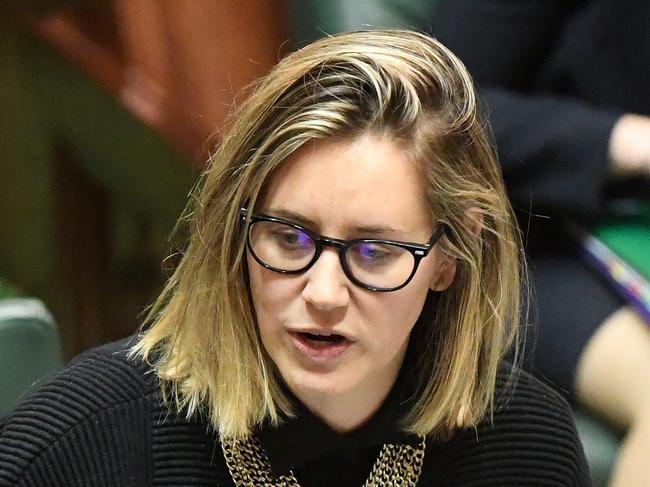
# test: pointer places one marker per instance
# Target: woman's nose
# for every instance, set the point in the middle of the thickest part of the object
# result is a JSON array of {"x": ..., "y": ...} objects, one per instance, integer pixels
[{"x": 327, "y": 285}]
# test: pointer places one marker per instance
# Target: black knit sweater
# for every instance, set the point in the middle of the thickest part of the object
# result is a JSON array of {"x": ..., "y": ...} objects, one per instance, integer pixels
[{"x": 101, "y": 422}]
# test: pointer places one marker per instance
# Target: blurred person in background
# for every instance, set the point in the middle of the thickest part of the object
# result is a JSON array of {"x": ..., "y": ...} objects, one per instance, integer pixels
[
  {"x": 567, "y": 84},
  {"x": 340, "y": 314}
]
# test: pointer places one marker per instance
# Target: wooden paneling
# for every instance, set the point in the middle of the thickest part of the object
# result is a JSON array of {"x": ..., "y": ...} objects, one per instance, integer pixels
[{"x": 177, "y": 66}]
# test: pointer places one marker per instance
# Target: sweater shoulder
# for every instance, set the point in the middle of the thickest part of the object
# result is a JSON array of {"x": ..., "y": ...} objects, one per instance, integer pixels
[
  {"x": 97, "y": 379},
  {"x": 101, "y": 395},
  {"x": 530, "y": 438},
  {"x": 516, "y": 388}
]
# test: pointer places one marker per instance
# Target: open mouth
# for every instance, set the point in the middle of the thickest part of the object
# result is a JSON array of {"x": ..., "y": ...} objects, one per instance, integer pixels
[
  {"x": 321, "y": 347},
  {"x": 324, "y": 340}
]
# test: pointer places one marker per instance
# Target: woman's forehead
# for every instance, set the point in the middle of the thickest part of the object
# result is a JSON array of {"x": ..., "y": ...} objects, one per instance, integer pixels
[{"x": 363, "y": 183}]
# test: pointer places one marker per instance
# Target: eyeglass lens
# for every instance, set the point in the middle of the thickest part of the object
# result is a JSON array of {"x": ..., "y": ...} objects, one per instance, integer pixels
[{"x": 374, "y": 264}]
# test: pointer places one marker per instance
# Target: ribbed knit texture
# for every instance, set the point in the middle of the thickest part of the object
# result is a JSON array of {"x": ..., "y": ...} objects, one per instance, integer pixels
[
  {"x": 101, "y": 422},
  {"x": 531, "y": 441}
]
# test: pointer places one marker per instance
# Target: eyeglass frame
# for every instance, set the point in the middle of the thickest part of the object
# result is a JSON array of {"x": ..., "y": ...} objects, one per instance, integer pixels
[{"x": 418, "y": 251}]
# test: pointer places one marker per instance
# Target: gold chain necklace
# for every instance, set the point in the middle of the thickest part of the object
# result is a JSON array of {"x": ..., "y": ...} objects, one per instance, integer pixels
[{"x": 396, "y": 465}]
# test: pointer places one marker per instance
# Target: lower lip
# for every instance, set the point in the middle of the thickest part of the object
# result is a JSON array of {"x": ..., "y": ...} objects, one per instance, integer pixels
[{"x": 319, "y": 351}]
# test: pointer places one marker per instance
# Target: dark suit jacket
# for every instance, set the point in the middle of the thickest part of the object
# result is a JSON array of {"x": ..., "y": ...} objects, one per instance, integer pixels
[{"x": 556, "y": 74}]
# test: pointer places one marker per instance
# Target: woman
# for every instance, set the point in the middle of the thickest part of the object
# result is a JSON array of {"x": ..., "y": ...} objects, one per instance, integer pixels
[{"x": 341, "y": 311}]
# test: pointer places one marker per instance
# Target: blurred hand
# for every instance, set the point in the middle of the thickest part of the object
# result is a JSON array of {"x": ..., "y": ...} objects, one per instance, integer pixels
[{"x": 629, "y": 146}]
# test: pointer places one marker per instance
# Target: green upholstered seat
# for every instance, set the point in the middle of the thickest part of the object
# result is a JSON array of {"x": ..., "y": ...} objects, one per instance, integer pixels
[
  {"x": 30, "y": 348},
  {"x": 628, "y": 235},
  {"x": 600, "y": 444}
]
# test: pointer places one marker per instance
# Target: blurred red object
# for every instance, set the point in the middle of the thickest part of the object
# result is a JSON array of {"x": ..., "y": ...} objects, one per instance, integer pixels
[{"x": 178, "y": 65}]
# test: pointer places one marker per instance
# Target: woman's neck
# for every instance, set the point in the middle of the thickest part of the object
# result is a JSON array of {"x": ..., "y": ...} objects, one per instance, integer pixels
[{"x": 351, "y": 410}]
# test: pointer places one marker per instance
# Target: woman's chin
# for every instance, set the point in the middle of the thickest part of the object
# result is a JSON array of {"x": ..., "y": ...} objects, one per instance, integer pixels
[{"x": 330, "y": 384}]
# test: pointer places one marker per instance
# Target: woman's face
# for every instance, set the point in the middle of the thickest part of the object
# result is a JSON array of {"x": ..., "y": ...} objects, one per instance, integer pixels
[{"x": 364, "y": 188}]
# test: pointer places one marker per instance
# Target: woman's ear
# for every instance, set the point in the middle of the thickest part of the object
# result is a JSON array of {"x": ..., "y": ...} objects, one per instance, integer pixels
[
  {"x": 446, "y": 271},
  {"x": 474, "y": 221},
  {"x": 444, "y": 274}
]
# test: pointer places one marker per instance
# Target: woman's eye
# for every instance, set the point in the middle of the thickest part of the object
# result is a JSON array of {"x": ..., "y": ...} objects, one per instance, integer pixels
[
  {"x": 374, "y": 253},
  {"x": 291, "y": 239}
]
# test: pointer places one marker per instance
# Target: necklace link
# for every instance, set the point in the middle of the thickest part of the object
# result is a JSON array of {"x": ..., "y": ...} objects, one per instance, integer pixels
[{"x": 397, "y": 465}]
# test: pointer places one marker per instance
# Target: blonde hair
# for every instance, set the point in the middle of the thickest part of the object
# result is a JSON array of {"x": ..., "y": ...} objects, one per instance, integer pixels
[{"x": 202, "y": 338}]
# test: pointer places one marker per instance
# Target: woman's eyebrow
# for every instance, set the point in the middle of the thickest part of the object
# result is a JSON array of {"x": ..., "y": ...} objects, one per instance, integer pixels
[
  {"x": 377, "y": 230},
  {"x": 290, "y": 215},
  {"x": 309, "y": 223}
]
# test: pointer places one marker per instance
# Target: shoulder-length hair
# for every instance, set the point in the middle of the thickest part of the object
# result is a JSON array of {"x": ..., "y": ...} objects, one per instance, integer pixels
[{"x": 201, "y": 335}]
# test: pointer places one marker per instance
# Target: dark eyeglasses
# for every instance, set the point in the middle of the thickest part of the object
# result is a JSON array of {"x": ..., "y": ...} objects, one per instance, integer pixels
[{"x": 375, "y": 264}]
